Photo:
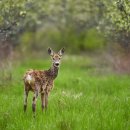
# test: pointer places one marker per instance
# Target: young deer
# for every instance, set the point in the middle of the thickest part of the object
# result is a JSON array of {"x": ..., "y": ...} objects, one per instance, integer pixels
[{"x": 41, "y": 81}]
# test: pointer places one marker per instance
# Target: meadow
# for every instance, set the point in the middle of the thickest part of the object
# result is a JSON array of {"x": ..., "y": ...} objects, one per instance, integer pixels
[{"x": 84, "y": 98}]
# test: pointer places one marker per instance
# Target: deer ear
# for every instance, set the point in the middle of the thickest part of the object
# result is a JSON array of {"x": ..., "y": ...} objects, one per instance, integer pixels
[
  {"x": 61, "y": 52},
  {"x": 50, "y": 51}
]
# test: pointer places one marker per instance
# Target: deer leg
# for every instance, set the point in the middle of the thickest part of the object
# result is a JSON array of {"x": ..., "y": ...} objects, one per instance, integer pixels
[
  {"x": 46, "y": 100},
  {"x": 43, "y": 100},
  {"x": 25, "y": 99},
  {"x": 34, "y": 101}
]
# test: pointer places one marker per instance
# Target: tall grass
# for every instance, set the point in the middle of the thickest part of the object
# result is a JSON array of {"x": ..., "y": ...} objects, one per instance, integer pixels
[{"x": 80, "y": 100}]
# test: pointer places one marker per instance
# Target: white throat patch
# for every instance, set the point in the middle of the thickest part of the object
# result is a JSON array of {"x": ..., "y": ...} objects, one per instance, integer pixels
[{"x": 29, "y": 78}]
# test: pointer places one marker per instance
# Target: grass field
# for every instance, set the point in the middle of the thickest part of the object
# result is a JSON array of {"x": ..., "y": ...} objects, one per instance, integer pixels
[{"x": 82, "y": 99}]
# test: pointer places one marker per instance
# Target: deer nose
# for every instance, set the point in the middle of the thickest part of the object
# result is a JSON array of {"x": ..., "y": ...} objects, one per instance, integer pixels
[{"x": 57, "y": 64}]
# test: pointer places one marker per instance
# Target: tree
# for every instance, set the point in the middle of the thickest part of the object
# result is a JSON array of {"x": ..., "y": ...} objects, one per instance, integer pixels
[
  {"x": 117, "y": 21},
  {"x": 72, "y": 18},
  {"x": 12, "y": 12},
  {"x": 118, "y": 13}
]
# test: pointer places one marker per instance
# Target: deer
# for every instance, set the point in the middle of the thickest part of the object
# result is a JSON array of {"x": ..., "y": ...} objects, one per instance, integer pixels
[{"x": 42, "y": 81}]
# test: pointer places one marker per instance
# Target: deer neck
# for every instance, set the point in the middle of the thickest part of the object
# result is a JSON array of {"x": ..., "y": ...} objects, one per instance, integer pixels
[{"x": 53, "y": 72}]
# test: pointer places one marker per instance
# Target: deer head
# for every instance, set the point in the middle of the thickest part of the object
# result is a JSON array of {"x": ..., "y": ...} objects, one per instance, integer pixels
[{"x": 56, "y": 57}]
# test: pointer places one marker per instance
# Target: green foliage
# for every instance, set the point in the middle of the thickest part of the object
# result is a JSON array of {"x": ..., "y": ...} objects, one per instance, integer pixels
[
  {"x": 69, "y": 38},
  {"x": 118, "y": 13},
  {"x": 12, "y": 12},
  {"x": 94, "y": 40}
]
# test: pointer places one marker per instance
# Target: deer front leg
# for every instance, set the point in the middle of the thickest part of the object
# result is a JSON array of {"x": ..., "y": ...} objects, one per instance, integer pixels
[
  {"x": 43, "y": 96},
  {"x": 43, "y": 100},
  {"x": 25, "y": 99},
  {"x": 46, "y": 100}
]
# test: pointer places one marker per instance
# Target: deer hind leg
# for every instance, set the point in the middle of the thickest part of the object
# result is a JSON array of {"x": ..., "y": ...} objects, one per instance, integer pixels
[
  {"x": 34, "y": 102},
  {"x": 25, "y": 99}
]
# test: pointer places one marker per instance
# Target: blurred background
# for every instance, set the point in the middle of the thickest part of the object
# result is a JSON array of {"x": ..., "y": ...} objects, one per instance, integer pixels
[
  {"x": 92, "y": 90},
  {"x": 96, "y": 29}
]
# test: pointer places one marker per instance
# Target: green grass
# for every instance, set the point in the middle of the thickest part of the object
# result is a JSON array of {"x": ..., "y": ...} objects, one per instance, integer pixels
[{"x": 81, "y": 99}]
